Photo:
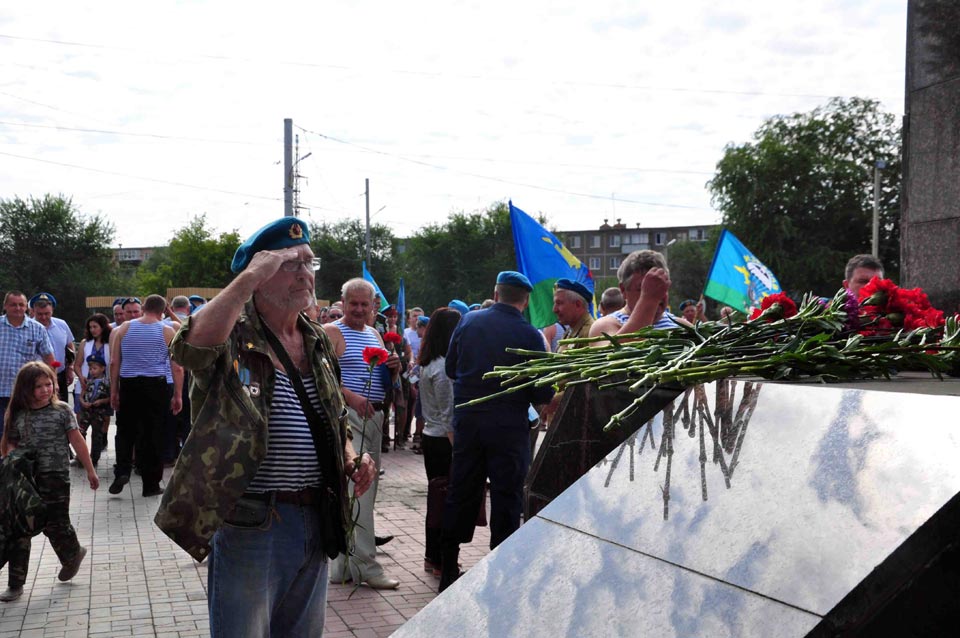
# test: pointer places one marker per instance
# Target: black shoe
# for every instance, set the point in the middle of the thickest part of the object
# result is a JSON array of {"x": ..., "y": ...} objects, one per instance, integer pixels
[
  {"x": 11, "y": 594},
  {"x": 117, "y": 486},
  {"x": 153, "y": 491},
  {"x": 69, "y": 570},
  {"x": 382, "y": 540},
  {"x": 448, "y": 577}
]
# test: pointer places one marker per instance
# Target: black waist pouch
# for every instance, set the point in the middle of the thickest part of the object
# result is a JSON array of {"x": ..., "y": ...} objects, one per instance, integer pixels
[
  {"x": 331, "y": 524},
  {"x": 249, "y": 511}
]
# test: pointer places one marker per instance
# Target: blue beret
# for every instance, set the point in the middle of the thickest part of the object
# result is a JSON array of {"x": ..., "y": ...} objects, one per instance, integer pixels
[
  {"x": 687, "y": 302},
  {"x": 43, "y": 296},
  {"x": 423, "y": 320},
  {"x": 474, "y": 306},
  {"x": 513, "y": 278},
  {"x": 95, "y": 358},
  {"x": 196, "y": 299},
  {"x": 459, "y": 306},
  {"x": 282, "y": 233},
  {"x": 119, "y": 301},
  {"x": 575, "y": 286}
]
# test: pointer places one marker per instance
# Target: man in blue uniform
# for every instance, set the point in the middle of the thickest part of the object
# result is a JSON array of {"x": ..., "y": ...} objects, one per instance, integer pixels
[{"x": 491, "y": 439}]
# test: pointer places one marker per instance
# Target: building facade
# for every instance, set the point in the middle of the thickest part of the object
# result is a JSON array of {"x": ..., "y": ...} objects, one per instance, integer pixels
[{"x": 602, "y": 249}]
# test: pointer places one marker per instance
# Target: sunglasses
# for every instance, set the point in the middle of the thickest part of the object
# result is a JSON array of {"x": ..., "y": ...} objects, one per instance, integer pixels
[
  {"x": 335, "y": 315},
  {"x": 310, "y": 265}
]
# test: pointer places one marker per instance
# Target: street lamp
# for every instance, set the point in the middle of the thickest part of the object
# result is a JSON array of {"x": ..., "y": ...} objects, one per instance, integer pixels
[
  {"x": 667, "y": 247},
  {"x": 877, "y": 167}
]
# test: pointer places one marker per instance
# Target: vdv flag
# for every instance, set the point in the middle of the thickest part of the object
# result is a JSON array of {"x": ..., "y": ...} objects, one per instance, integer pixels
[
  {"x": 401, "y": 307},
  {"x": 544, "y": 259},
  {"x": 737, "y": 278},
  {"x": 366, "y": 275}
]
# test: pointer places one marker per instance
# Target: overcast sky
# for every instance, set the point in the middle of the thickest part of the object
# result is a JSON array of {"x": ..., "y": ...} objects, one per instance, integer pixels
[{"x": 580, "y": 110}]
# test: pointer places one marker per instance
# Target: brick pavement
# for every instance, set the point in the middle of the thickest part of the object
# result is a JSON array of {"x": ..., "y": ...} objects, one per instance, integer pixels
[{"x": 136, "y": 582}]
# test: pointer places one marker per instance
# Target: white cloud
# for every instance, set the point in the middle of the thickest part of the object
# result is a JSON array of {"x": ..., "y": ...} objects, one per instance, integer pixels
[{"x": 556, "y": 88}]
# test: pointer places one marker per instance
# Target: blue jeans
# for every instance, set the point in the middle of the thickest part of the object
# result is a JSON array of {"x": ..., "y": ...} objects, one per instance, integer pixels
[{"x": 271, "y": 580}]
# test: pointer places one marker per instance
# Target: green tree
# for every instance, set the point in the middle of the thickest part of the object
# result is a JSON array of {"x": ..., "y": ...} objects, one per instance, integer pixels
[
  {"x": 48, "y": 245},
  {"x": 800, "y": 195},
  {"x": 460, "y": 258},
  {"x": 689, "y": 263},
  {"x": 341, "y": 247},
  {"x": 194, "y": 257}
]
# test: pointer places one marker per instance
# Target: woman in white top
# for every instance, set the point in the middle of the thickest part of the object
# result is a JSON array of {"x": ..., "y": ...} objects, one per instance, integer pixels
[
  {"x": 96, "y": 337},
  {"x": 436, "y": 402}
]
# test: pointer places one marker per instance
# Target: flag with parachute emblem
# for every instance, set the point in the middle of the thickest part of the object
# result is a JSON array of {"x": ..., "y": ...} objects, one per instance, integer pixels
[
  {"x": 543, "y": 259},
  {"x": 737, "y": 278}
]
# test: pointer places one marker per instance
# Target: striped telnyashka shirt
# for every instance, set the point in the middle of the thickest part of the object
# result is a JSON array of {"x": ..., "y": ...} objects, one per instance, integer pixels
[
  {"x": 352, "y": 368},
  {"x": 291, "y": 463},
  {"x": 144, "y": 351}
]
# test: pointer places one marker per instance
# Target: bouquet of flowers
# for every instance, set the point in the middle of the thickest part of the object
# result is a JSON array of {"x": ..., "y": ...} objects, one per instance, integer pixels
[{"x": 888, "y": 329}]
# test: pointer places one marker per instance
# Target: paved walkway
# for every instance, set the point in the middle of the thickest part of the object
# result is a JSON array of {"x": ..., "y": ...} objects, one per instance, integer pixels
[{"x": 136, "y": 582}]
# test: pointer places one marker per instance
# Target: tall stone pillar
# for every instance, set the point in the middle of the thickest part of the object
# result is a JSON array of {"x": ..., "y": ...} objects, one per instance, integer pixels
[{"x": 930, "y": 223}]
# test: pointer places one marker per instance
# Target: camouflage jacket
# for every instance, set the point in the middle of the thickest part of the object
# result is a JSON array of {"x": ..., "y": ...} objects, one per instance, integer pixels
[
  {"x": 230, "y": 394},
  {"x": 24, "y": 512}
]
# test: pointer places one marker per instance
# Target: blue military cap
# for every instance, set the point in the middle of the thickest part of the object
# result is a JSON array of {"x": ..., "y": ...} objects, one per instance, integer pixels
[
  {"x": 95, "y": 358},
  {"x": 43, "y": 296},
  {"x": 423, "y": 320},
  {"x": 282, "y": 233},
  {"x": 459, "y": 306},
  {"x": 575, "y": 286},
  {"x": 514, "y": 278}
]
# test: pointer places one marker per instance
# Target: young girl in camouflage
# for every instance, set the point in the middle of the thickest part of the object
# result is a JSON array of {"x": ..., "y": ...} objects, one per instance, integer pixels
[{"x": 36, "y": 418}]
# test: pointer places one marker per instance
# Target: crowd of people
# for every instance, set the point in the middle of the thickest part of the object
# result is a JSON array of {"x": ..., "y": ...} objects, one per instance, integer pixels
[{"x": 277, "y": 412}]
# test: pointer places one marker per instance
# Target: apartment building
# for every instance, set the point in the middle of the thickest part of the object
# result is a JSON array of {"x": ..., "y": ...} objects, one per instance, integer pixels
[{"x": 602, "y": 249}]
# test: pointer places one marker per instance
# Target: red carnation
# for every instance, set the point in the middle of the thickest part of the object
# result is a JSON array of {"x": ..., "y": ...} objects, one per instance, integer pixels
[
  {"x": 374, "y": 356},
  {"x": 55, "y": 365},
  {"x": 392, "y": 337},
  {"x": 773, "y": 307}
]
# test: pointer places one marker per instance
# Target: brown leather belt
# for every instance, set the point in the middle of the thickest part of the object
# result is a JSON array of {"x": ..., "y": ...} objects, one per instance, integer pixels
[
  {"x": 306, "y": 496},
  {"x": 376, "y": 405}
]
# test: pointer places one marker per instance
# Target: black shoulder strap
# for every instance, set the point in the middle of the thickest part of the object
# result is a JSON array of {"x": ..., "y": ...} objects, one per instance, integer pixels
[{"x": 322, "y": 437}]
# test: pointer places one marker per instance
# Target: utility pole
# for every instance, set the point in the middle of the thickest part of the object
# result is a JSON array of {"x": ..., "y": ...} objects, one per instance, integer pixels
[
  {"x": 366, "y": 182},
  {"x": 879, "y": 164},
  {"x": 288, "y": 167}
]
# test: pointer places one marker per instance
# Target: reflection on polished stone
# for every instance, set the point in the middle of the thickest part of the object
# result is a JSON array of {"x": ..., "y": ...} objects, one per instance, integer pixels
[
  {"x": 826, "y": 484},
  {"x": 577, "y": 585},
  {"x": 726, "y": 424}
]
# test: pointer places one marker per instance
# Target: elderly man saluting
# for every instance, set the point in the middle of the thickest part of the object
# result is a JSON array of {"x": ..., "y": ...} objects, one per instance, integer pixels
[{"x": 260, "y": 485}]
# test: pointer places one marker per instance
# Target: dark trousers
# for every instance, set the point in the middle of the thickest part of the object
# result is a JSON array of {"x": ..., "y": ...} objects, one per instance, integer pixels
[
  {"x": 437, "y": 452},
  {"x": 3, "y": 411},
  {"x": 144, "y": 402},
  {"x": 494, "y": 445},
  {"x": 55, "y": 491},
  {"x": 62, "y": 385},
  {"x": 98, "y": 426}
]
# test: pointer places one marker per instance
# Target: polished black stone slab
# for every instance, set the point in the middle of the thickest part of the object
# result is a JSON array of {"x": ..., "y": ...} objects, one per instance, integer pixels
[
  {"x": 741, "y": 509},
  {"x": 796, "y": 493},
  {"x": 575, "y": 441},
  {"x": 549, "y": 580}
]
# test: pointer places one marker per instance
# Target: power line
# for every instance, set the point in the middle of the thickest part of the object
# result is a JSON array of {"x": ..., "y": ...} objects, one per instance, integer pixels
[
  {"x": 160, "y": 181},
  {"x": 433, "y": 74},
  {"x": 497, "y": 179},
  {"x": 158, "y": 136}
]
